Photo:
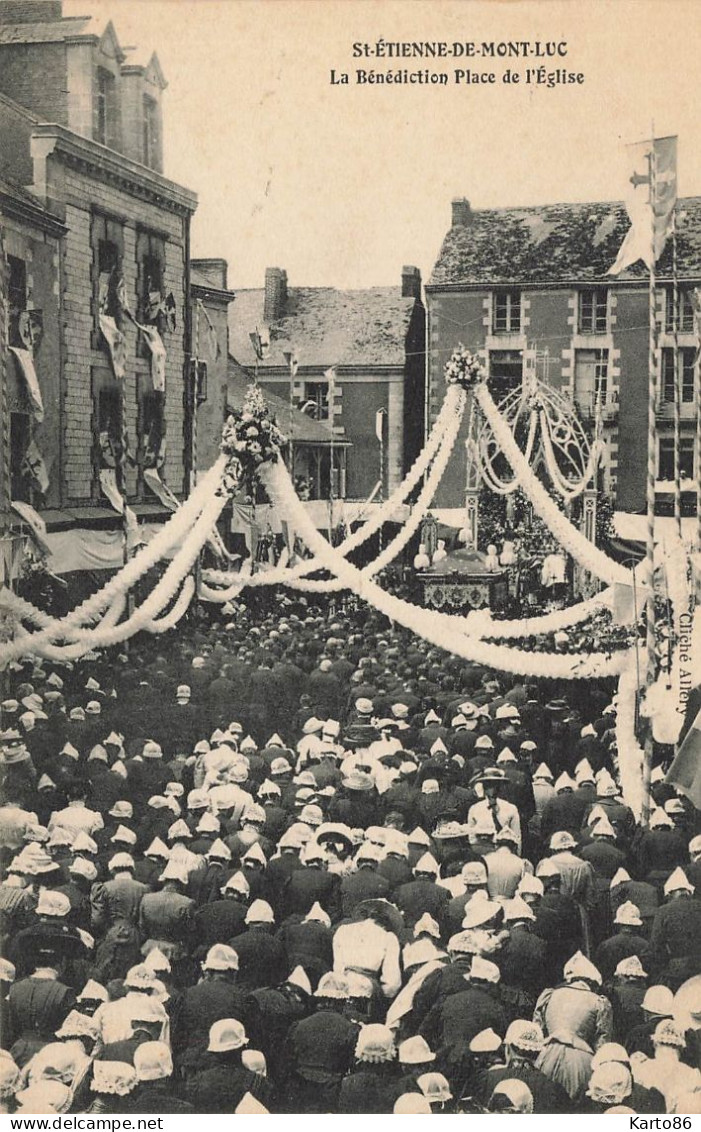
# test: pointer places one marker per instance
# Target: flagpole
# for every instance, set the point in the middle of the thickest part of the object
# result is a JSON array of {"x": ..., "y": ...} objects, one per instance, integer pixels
[
  {"x": 677, "y": 377},
  {"x": 697, "y": 395},
  {"x": 290, "y": 453},
  {"x": 123, "y": 467},
  {"x": 331, "y": 398},
  {"x": 651, "y": 477},
  {"x": 197, "y": 572},
  {"x": 5, "y": 445}
]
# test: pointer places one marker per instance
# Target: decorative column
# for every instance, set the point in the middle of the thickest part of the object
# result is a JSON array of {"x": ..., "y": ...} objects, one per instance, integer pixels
[
  {"x": 587, "y": 524},
  {"x": 472, "y": 488},
  {"x": 471, "y": 517}
]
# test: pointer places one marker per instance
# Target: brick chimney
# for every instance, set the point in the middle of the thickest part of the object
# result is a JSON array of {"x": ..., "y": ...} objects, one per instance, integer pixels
[
  {"x": 461, "y": 213},
  {"x": 275, "y": 294},
  {"x": 30, "y": 11},
  {"x": 411, "y": 282}
]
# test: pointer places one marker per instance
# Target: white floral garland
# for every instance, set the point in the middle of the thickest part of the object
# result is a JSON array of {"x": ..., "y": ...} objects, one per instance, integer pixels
[
  {"x": 480, "y": 622},
  {"x": 180, "y": 607},
  {"x": 418, "y": 511},
  {"x": 283, "y": 575},
  {"x": 567, "y": 490},
  {"x": 436, "y": 628},
  {"x": 631, "y": 756},
  {"x": 25, "y": 611},
  {"x": 502, "y": 487},
  {"x": 589, "y": 556},
  {"x": 676, "y": 566},
  {"x": 169, "y": 536},
  {"x": 173, "y": 577}
]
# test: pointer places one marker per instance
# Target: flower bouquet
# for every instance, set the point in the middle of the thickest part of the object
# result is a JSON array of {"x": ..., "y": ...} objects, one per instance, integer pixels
[
  {"x": 250, "y": 438},
  {"x": 464, "y": 368}
]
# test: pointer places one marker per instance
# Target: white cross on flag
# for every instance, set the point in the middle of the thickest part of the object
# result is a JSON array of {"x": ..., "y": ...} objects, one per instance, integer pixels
[{"x": 650, "y": 212}]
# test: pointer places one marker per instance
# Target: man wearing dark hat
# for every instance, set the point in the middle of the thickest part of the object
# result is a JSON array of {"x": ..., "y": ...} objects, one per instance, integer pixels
[
  {"x": 17, "y": 771},
  {"x": 37, "y": 1007},
  {"x": 319, "y": 1051},
  {"x": 502, "y": 813},
  {"x": 280, "y": 1007},
  {"x": 50, "y": 941}
]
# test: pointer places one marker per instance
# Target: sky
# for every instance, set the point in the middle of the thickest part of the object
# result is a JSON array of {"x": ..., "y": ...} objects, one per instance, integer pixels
[{"x": 342, "y": 185}]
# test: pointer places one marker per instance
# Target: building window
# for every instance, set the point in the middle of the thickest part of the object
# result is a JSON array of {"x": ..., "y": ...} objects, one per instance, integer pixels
[
  {"x": 200, "y": 381},
  {"x": 152, "y": 429},
  {"x": 665, "y": 462},
  {"x": 505, "y": 371},
  {"x": 687, "y": 373},
  {"x": 20, "y": 436},
  {"x": 317, "y": 480},
  {"x": 593, "y": 311},
  {"x": 685, "y": 311},
  {"x": 108, "y": 426},
  {"x": 506, "y": 312},
  {"x": 150, "y": 259},
  {"x": 151, "y": 133},
  {"x": 17, "y": 297},
  {"x": 590, "y": 380},
  {"x": 316, "y": 400},
  {"x": 108, "y": 249},
  {"x": 105, "y": 131}
]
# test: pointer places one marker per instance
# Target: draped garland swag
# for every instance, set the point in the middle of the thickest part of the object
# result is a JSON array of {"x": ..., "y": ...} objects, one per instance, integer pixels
[{"x": 251, "y": 443}]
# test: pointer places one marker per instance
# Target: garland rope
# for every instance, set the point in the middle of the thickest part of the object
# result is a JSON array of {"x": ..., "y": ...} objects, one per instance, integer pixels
[
  {"x": 419, "y": 510},
  {"x": 435, "y": 628},
  {"x": 630, "y": 753},
  {"x": 170, "y": 534},
  {"x": 582, "y": 550},
  {"x": 479, "y": 623},
  {"x": 289, "y": 575},
  {"x": 567, "y": 490},
  {"x": 180, "y": 606},
  {"x": 159, "y": 597}
]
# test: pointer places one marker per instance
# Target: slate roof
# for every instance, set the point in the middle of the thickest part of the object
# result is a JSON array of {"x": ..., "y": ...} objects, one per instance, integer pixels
[
  {"x": 12, "y": 193},
  {"x": 53, "y": 31},
  {"x": 557, "y": 242},
  {"x": 304, "y": 430},
  {"x": 327, "y": 327}
]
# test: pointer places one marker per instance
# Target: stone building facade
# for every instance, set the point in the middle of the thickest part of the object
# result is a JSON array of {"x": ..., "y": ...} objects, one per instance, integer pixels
[
  {"x": 373, "y": 341},
  {"x": 527, "y": 288},
  {"x": 81, "y": 138}
]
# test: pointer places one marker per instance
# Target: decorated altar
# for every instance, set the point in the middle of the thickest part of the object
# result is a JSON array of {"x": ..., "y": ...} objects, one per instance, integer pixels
[{"x": 461, "y": 581}]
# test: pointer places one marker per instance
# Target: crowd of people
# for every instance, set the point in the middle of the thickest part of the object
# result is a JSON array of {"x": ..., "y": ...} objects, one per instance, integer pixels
[{"x": 300, "y": 861}]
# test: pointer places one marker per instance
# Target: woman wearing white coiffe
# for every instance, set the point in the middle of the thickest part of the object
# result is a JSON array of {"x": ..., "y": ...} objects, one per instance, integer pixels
[{"x": 665, "y": 1071}]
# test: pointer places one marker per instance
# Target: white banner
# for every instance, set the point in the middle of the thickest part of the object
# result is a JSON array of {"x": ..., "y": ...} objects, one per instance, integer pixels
[{"x": 26, "y": 364}]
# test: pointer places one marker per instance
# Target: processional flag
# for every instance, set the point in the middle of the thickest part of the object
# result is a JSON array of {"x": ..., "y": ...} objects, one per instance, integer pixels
[
  {"x": 685, "y": 771},
  {"x": 292, "y": 359},
  {"x": 655, "y": 162}
]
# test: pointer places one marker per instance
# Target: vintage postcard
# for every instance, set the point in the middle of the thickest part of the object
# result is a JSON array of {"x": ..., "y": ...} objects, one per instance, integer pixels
[{"x": 350, "y": 520}]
